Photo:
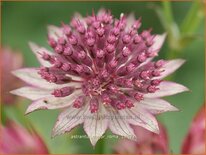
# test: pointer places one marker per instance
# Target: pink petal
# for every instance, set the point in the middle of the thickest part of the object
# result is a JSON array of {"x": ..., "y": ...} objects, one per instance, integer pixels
[
  {"x": 139, "y": 116},
  {"x": 167, "y": 88},
  {"x": 16, "y": 139},
  {"x": 32, "y": 93},
  {"x": 52, "y": 102},
  {"x": 194, "y": 142},
  {"x": 96, "y": 125},
  {"x": 158, "y": 42},
  {"x": 118, "y": 125},
  {"x": 37, "y": 50},
  {"x": 130, "y": 21},
  {"x": 68, "y": 119},
  {"x": 148, "y": 142},
  {"x": 55, "y": 32},
  {"x": 171, "y": 66},
  {"x": 156, "y": 106},
  {"x": 80, "y": 18},
  {"x": 125, "y": 146},
  {"x": 10, "y": 60},
  {"x": 101, "y": 11},
  {"x": 30, "y": 76}
]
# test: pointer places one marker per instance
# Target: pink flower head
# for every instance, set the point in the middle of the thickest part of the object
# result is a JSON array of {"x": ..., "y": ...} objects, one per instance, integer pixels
[
  {"x": 147, "y": 142},
  {"x": 194, "y": 142},
  {"x": 101, "y": 72},
  {"x": 9, "y": 61},
  {"x": 17, "y": 140}
]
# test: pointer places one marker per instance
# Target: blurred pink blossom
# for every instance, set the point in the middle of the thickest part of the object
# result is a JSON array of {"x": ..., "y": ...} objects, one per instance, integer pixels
[
  {"x": 17, "y": 140},
  {"x": 147, "y": 142},
  {"x": 9, "y": 61},
  {"x": 194, "y": 142}
]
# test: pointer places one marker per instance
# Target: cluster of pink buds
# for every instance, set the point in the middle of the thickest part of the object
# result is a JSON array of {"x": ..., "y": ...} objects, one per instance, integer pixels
[{"x": 110, "y": 57}]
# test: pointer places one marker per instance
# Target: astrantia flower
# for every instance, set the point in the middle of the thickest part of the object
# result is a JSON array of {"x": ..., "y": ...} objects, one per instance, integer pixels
[
  {"x": 147, "y": 143},
  {"x": 10, "y": 60},
  {"x": 102, "y": 73},
  {"x": 16, "y": 139},
  {"x": 194, "y": 143}
]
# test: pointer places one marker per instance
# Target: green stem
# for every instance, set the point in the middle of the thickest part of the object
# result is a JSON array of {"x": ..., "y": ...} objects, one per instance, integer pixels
[
  {"x": 161, "y": 16},
  {"x": 15, "y": 113},
  {"x": 22, "y": 118},
  {"x": 3, "y": 114},
  {"x": 167, "y": 11},
  {"x": 193, "y": 18},
  {"x": 99, "y": 149}
]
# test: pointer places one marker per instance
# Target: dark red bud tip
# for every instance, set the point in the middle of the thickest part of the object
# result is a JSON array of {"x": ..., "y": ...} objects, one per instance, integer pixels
[
  {"x": 52, "y": 78},
  {"x": 81, "y": 55},
  {"x": 58, "y": 64},
  {"x": 111, "y": 39},
  {"x": 159, "y": 63},
  {"x": 137, "y": 24},
  {"x": 116, "y": 31},
  {"x": 138, "y": 97},
  {"x": 104, "y": 75},
  {"x": 131, "y": 67},
  {"x": 93, "y": 105},
  {"x": 57, "y": 93},
  {"x": 151, "y": 89},
  {"x": 59, "y": 49},
  {"x": 73, "y": 40},
  {"x": 79, "y": 69},
  {"x": 78, "y": 103},
  {"x": 46, "y": 56},
  {"x": 128, "y": 83},
  {"x": 126, "y": 52},
  {"x": 110, "y": 48},
  {"x": 156, "y": 73},
  {"x": 100, "y": 54},
  {"x": 137, "y": 39},
  {"x": 66, "y": 30},
  {"x": 138, "y": 83},
  {"x": 145, "y": 34},
  {"x": 126, "y": 39},
  {"x": 68, "y": 51},
  {"x": 106, "y": 99},
  {"x": 62, "y": 92},
  {"x": 100, "y": 31},
  {"x": 129, "y": 104},
  {"x": 141, "y": 58},
  {"x": 155, "y": 82},
  {"x": 90, "y": 42},
  {"x": 52, "y": 42},
  {"x": 96, "y": 24},
  {"x": 145, "y": 75},
  {"x": 113, "y": 64},
  {"x": 81, "y": 29},
  {"x": 61, "y": 41},
  {"x": 120, "y": 105},
  {"x": 66, "y": 67}
]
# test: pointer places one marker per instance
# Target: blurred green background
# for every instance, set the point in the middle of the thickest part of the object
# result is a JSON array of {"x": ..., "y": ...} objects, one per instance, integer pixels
[{"x": 27, "y": 21}]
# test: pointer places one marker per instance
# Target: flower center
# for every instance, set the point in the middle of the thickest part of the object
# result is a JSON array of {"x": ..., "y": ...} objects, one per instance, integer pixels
[{"x": 93, "y": 87}]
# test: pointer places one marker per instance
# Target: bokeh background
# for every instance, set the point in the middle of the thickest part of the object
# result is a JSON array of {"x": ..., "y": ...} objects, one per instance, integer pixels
[{"x": 28, "y": 21}]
